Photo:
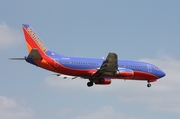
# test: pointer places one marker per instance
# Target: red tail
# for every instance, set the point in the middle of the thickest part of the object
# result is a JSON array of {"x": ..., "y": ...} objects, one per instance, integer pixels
[{"x": 33, "y": 41}]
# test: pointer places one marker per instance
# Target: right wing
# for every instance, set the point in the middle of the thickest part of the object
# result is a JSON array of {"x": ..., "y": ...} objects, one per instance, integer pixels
[{"x": 109, "y": 66}]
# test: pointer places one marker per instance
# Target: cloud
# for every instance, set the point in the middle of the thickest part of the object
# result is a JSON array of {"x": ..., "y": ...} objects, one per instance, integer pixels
[
  {"x": 105, "y": 112},
  {"x": 166, "y": 95},
  {"x": 9, "y": 37},
  {"x": 11, "y": 109},
  {"x": 7, "y": 103},
  {"x": 171, "y": 67},
  {"x": 162, "y": 96}
]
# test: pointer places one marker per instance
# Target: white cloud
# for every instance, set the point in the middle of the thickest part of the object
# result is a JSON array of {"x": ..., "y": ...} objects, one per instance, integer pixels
[
  {"x": 106, "y": 112},
  {"x": 171, "y": 67},
  {"x": 162, "y": 96},
  {"x": 166, "y": 95},
  {"x": 9, "y": 37},
  {"x": 11, "y": 109},
  {"x": 7, "y": 103}
]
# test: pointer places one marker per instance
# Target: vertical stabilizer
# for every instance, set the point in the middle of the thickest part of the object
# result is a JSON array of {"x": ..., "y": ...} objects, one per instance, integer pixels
[{"x": 33, "y": 41}]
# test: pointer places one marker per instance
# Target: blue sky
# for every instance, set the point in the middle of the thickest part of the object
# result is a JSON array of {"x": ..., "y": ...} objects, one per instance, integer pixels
[{"x": 136, "y": 30}]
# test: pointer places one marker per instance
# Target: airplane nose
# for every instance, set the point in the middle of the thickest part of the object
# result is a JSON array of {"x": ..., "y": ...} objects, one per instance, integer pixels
[{"x": 160, "y": 74}]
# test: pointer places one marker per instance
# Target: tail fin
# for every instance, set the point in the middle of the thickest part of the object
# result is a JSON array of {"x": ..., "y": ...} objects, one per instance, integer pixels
[{"x": 33, "y": 41}]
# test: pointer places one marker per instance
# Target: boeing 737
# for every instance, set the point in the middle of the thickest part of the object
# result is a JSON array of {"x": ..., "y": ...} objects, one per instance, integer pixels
[{"x": 97, "y": 71}]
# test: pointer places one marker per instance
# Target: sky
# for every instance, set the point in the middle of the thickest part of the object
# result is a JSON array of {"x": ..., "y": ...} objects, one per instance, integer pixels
[{"x": 141, "y": 30}]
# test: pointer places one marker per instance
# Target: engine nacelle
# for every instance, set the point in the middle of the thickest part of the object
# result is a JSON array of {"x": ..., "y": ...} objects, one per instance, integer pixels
[{"x": 103, "y": 82}]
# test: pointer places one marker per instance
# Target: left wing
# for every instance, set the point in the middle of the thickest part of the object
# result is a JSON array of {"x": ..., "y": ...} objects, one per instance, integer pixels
[{"x": 66, "y": 76}]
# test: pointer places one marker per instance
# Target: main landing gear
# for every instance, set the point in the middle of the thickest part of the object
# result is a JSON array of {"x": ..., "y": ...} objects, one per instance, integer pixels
[
  {"x": 89, "y": 84},
  {"x": 148, "y": 85}
]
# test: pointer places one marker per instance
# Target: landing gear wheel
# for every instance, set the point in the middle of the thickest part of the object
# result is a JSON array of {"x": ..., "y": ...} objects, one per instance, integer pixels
[
  {"x": 148, "y": 85},
  {"x": 89, "y": 84}
]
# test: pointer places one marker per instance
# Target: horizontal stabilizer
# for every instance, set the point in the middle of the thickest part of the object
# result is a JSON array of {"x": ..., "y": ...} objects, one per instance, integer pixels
[
  {"x": 34, "y": 54},
  {"x": 16, "y": 58}
]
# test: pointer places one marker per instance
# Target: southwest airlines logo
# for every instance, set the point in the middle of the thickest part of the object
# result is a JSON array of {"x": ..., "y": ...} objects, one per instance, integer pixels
[{"x": 36, "y": 39}]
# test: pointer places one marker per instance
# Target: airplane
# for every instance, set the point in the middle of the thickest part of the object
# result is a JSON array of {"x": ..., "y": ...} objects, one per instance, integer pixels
[{"x": 97, "y": 71}]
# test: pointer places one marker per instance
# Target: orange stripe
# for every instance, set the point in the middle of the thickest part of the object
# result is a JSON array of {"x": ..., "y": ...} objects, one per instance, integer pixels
[{"x": 28, "y": 47}]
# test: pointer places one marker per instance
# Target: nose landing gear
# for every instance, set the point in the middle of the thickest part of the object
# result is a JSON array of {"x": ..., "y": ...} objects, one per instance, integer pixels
[{"x": 148, "y": 85}]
